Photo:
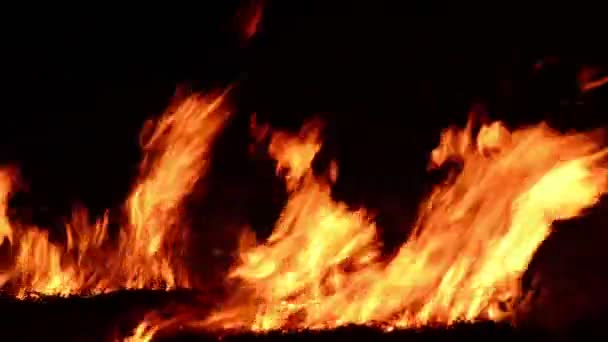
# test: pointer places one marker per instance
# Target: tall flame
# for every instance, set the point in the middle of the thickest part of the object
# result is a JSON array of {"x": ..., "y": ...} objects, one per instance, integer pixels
[
  {"x": 149, "y": 249},
  {"x": 149, "y": 246},
  {"x": 5, "y": 188},
  {"x": 176, "y": 155},
  {"x": 475, "y": 235}
]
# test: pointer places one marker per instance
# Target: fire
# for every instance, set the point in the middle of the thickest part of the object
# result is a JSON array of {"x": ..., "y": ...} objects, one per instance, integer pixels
[
  {"x": 176, "y": 155},
  {"x": 250, "y": 18},
  {"x": 5, "y": 188},
  {"x": 150, "y": 245},
  {"x": 476, "y": 233},
  {"x": 323, "y": 266}
]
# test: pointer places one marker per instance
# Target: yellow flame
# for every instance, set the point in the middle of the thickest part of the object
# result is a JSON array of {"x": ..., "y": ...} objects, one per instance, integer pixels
[
  {"x": 176, "y": 155},
  {"x": 322, "y": 266},
  {"x": 6, "y": 231},
  {"x": 149, "y": 247},
  {"x": 475, "y": 236}
]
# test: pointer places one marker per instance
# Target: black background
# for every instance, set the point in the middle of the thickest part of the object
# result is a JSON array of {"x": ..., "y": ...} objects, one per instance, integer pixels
[{"x": 385, "y": 77}]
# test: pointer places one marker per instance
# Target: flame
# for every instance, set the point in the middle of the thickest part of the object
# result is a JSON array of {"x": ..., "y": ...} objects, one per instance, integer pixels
[
  {"x": 594, "y": 84},
  {"x": 176, "y": 155},
  {"x": 142, "y": 333},
  {"x": 5, "y": 188},
  {"x": 476, "y": 233},
  {"x": 150, "y": 245},
  {"x": 149, "y": 249},
  {"x": 323, "y": 265},
  {"x": 591, "y": 77},
  {"x": 250, "y": 18}
]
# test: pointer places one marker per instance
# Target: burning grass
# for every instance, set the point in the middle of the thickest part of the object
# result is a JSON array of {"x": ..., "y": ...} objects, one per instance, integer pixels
[
  {"x": 464, "y": 331},
  {"x": 109, "y": 317},
  {"x": 322, "y": 267},
  {"x": 321, "y": 274},
  {"x": 75, "y": 318}
]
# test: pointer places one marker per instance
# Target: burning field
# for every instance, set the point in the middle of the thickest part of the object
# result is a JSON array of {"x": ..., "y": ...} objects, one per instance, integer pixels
[
  {"x": 322, "y": 270},
  {"x": 466, "y": 268}
]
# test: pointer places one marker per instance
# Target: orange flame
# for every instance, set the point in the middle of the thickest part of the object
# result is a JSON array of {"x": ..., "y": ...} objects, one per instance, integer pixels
[
  {"x": 5, "y": 188},
  {"x": 176, "y": 155},
  {"x": 149, "y": 246},
  {"x": 595, "y": 84},
  {"x": 322, "y": 267},
  {"x": 250, "y": 17},
  {"x": 475, "y": 236}
]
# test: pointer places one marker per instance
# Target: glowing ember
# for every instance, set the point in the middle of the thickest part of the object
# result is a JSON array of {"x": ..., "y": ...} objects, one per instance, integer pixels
[
  {"x": 590, "y": 78},
  {"x": 147, "y": 253},
  {"x": 250, "y": 17},
  {"x": 595, "y": 84},
  {"x": 475, "y": 235}
]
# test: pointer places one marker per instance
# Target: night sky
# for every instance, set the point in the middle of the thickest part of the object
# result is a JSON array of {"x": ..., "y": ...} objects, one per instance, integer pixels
[{"x": 386, "y": 79}]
